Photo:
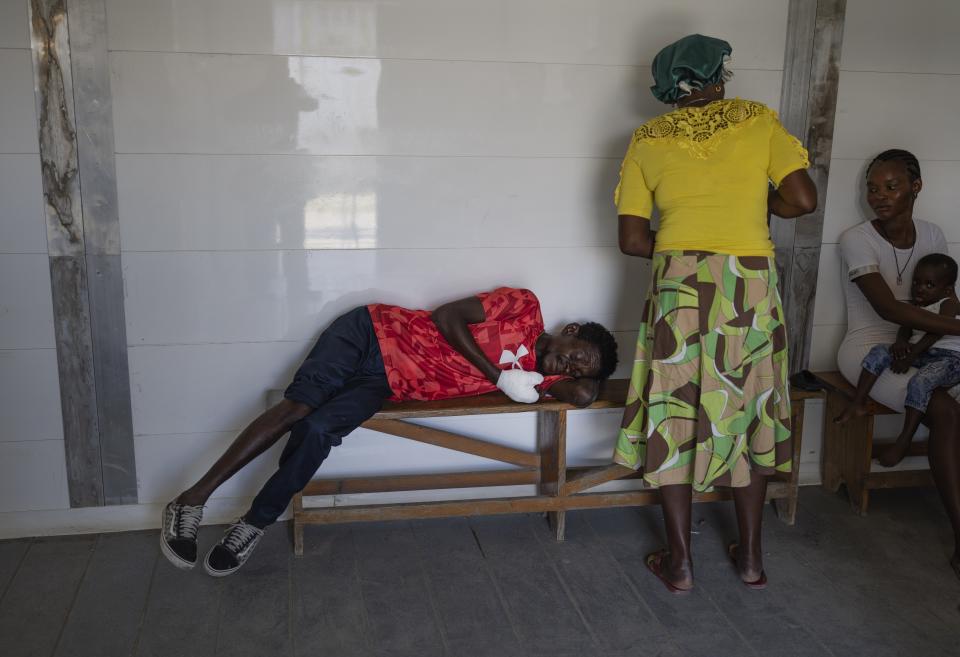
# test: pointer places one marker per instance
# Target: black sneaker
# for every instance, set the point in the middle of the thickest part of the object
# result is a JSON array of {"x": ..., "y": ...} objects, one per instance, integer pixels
[
  {"x": 178, "y": 534},
  {"x": 233, "y": 550}
]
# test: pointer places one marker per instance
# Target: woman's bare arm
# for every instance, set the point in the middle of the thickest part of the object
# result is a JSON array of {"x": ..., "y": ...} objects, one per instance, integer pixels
[
  {"x": 636, "y": 238},
  {"x": 878, "y": 293},
  {"x": 796, "y": 196}
]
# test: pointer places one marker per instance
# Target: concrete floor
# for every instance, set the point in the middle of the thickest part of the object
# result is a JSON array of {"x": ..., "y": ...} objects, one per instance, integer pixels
[{"x": 500, "y": 586}]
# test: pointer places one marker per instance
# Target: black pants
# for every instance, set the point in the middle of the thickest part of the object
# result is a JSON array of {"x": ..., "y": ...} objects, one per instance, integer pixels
[{"x": 343, "y": 380}]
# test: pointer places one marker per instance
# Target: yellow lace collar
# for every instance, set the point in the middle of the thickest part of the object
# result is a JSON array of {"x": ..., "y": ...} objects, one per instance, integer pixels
[{"x": 698, "y": 129}]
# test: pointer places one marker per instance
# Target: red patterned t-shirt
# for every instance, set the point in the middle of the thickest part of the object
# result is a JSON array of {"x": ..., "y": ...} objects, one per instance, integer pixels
[{"x": 421, "y": 364}]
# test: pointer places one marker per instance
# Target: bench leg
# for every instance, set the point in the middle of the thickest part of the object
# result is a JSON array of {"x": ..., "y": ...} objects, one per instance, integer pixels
[
  {"x": 846, "y": 452},
  {"x": 786, "y": 507},
  {"x": 552, "y": 447},
  {"x": 832, "y": 448},
  {"x": 296, "y": 525},
  {"x": 859, "y": 445}
]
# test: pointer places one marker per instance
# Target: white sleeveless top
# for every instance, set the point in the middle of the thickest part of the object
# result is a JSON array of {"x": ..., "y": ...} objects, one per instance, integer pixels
[
  {"x": 862, "y": 251},
  {"x": 951, "y": 342}
]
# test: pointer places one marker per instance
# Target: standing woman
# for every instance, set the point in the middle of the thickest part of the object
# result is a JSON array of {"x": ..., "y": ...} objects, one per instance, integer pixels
[{"x": 708, "y": 403}]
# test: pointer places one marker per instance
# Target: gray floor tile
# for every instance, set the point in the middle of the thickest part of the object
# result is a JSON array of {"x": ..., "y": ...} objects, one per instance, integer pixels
[
  {"x": 109, "y": 607},
  {"x": 545, "y": 615},
  {"x": 400, "y": 611},
  {"x": 329, "y": 617},
  {"x": 474, "y": 619},
  {"x": 39, "y": 598},
  {"x": 255, "y": 601},
  {"x": 11, "y": 556},
  {"x": 605, "y": 594},
  {"x": 183, "y": 610}
]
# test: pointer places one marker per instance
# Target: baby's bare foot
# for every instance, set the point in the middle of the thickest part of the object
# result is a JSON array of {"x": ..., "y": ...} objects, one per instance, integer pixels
[
  {"x": 892, "y": 454},
  {"x": 850, "y": 412}
]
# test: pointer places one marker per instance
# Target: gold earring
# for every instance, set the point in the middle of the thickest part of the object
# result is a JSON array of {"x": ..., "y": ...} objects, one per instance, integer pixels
[{"x": 718, "y": 88}]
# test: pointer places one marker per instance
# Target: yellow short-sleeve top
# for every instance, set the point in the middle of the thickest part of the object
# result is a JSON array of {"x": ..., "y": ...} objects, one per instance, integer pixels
[{"x": 707, "y": 168}]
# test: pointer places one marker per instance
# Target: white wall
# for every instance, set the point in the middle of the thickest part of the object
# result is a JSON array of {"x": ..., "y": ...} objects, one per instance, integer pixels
[
  {"x": 32, "y": 462},
  {"x": 897, "y": 90},
  {"x": 280, "y": 162}
]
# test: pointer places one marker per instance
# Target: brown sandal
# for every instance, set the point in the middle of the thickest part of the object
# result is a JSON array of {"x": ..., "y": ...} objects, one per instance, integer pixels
[
  {"x": 758, "y": 584},
  {"x": 654, "y": 563}
]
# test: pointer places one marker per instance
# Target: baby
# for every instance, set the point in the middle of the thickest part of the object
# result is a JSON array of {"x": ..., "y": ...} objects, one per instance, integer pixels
[{"x": 933, "y": 288}]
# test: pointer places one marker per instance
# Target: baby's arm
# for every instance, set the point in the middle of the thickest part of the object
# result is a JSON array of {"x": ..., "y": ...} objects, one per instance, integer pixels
[
  {"x": 949, "y": 308},
  {"x": 901, "y": 348}
]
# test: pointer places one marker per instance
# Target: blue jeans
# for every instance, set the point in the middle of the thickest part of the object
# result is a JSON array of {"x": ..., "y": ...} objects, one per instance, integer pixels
[
  {"x": 343, "y": 379},
  {"x": 937, "y": 368}
]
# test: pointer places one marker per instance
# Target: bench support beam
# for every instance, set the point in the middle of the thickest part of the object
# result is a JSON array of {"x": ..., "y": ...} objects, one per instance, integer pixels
[{"x": 558, "y": 489}]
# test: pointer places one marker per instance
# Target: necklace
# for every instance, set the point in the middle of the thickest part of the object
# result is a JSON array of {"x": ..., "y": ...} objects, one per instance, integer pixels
[{"x": 895, "y": 259}]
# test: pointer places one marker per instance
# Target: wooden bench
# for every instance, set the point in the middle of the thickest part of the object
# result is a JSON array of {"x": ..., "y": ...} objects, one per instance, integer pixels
[
  {"x": 849, "y": 449},
  {"x": 559, "y": 488}
]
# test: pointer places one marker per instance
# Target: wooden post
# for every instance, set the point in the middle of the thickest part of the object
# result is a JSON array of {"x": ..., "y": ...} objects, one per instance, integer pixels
[
  {"x": 552, "y": 445},
  {"x": 808, "y": 103}
]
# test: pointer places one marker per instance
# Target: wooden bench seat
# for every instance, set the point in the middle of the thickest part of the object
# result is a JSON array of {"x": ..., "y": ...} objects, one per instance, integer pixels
[
  {"x": 849, "y": 449},
  {"x": 559, "y": 488}
]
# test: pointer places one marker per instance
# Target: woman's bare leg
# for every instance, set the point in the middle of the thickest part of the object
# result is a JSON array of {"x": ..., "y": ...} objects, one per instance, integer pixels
[
  {"x": 748, "y": 501},
  {"x": 678, "y": 567},
  {"x": 943, "y": 418},
  {"x": 259, "y": 436}
]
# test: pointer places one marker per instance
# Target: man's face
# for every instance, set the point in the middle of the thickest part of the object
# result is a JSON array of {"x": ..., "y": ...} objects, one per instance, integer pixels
[{"x": 570, "y": 356}]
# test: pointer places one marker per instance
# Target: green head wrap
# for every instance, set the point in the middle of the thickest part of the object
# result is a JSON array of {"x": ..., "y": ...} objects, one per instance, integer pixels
[{"x": 691, "y": 62}]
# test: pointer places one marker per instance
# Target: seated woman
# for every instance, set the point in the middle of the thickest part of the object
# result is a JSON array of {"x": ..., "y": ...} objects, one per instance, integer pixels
[{"x": 876, "y": 255}]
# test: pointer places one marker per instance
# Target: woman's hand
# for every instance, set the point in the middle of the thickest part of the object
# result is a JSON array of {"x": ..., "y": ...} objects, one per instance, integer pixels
[{"x": 636, "y": 238}]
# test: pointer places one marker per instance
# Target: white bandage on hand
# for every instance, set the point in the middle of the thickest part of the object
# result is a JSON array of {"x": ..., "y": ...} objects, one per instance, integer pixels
[{"x": 520, "y": 386}]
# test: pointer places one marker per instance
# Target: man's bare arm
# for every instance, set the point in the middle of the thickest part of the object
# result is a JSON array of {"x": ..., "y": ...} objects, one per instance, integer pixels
[
  {"x": 453, "y": 320},
  {"x": 579, "y": 392}
]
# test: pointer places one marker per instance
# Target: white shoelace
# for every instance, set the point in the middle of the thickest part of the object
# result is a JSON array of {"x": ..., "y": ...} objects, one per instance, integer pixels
[
  {"x": 185, "y": 521},
  {"x": 239, "y": 537}
]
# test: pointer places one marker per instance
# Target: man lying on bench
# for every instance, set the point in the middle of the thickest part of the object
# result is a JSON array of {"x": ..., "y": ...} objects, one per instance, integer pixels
[{"x": 378, "y": 352}]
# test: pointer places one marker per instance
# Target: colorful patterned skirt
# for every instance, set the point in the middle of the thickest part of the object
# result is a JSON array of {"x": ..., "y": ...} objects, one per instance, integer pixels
[{"x": 708, "y": 400}]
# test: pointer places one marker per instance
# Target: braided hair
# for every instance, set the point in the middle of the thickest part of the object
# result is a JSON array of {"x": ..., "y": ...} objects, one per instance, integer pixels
[{"x": 899, "y": 155}]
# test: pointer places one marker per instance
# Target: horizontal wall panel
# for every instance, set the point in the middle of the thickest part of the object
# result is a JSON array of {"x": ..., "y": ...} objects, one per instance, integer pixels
[
  {"x": 199, "y": 202},
  {"x": 26, "y": 310},
  {"x": 207, "y": 388},
  {"x": 891, "y": 35},
  {"x": 18, "y": 123},
  {"x": 846, "y": 203},
  {"x": 22, "y": 219},
  {"x": 876, "y": 111},
  {"x": 169, "y": 464},
  {"x": 33, "y": 476},
  {"x": 30, "y": 402},
  {"x": 14, "y": 24},
  {"x": 253, "y": 296},
  {"x": 584, "y": 31},
  {"x": 188, "y": 103}
]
